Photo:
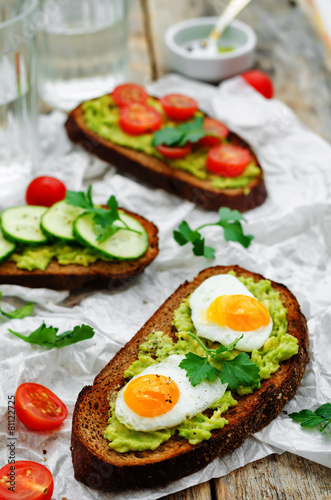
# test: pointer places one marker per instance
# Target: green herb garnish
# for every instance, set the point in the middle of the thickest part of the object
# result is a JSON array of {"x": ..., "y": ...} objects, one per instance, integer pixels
[
  {"x": 104, "y": 219},
  {"x": 20, "y": 313},
  {"x": 309, "y": 418},
  {"x": 190, "y": 131},
  {"x": 47, "y": 336},
  {"x": 240, "y": 371},
  {"x": 230, "y": 221}
]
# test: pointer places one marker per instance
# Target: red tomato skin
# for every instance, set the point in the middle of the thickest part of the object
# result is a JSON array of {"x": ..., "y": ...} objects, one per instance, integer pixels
[
  {"x": 128, "y": 93},
  {"x": 216, "y": 127},
  {"x": 174, "y": 153},
  {"x": 178, "y": 106},
  {"x": 149, "y": 124},
  {"x": 33, "y": 419},
  {"x": 218, "y": 164},
  {"x": 38, "y": 472},
  {"x": 260, "y": 81},
  {"x": 44, "y": 191}
]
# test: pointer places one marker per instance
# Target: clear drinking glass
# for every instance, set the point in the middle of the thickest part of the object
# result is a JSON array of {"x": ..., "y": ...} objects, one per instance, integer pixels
[
  {"x": 18, "y": 87},
  {"x": 82, "y": 49}
]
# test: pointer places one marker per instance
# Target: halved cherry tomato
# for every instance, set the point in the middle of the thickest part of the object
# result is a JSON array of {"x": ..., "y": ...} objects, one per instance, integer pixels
[
  {"x": 228, "y": 160},
  {"x": 128, "y": 93},
  {"x": 178, "y": 106},
  {"x": 260, "y": 81},
  {"x": 138, "y": 119},
  {"x": 45, "y": 191},
  {"x": 174, "y": 152},
  {"x": 38, "y": 408},
  {"x": 216, "y": 128},
  {"x": 28, "y": 480}
]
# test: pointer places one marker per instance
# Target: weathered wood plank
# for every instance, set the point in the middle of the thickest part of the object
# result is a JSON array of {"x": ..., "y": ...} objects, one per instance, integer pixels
[
  {"x": 292, "y": 53},
  {"x": 289, "y": 50},
  {"x": 162, "y": 14},
  {"x": 277, "y": 477},
  {"x": 139, "y": 55},
  {"x": 199, "y": 492}
]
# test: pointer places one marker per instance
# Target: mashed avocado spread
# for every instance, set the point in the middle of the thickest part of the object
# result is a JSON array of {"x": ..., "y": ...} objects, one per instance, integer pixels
[
  {"x": 278, "y": 347},
  {"x": 102, "y": 116},
  {"x": 31, "y": 258}
]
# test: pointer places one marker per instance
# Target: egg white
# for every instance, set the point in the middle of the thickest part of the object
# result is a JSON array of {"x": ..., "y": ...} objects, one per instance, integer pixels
[
  {"x": 191, "y": 401},
  {"x": 205, "y": 294}
]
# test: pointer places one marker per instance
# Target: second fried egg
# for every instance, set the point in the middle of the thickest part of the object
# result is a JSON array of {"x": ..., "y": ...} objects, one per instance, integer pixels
[{"x": 223, "y": 309}]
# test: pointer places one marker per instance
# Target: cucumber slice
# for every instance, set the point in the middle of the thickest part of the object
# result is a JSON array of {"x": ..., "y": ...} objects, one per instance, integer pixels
[
  {"x": 122, "y": 245},
  {"x": 22, "y": 224},
  {"x": 57, "y": 221},
  {"x": 6, "y": 248}
]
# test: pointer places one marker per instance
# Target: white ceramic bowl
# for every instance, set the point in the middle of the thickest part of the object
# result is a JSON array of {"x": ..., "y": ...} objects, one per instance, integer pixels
[{"x": 218, "y": 66}]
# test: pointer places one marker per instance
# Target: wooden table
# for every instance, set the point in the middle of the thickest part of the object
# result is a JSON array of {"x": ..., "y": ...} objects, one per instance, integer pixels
[{"x": 290, "y": 50}]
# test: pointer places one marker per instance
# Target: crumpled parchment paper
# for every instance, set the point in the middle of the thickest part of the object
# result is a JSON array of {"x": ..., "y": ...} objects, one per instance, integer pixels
[{"x": 292, "y": 245}]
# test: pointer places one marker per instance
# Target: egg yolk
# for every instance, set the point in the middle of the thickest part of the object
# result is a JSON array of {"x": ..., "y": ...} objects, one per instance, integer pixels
[
  {"x": 238, "y": 312},
  {"x": 151, "y": 395}
]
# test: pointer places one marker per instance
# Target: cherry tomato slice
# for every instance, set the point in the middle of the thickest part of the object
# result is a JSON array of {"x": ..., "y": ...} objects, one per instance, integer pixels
[
  {"x": 178, "y": 106},
  {"x": 260, "y": 81},
  {"x": 128, "y": 93},
  {"x": 138, "y": 119},
  {"x": 38, "y": 408},
  {"x": 29, "y": 480},
  {"x": 45, "y": 191},
  {"x": 216, "y": 128},
  {"x": 174, "y": 152},
  {"x": 228, "y": 160}
]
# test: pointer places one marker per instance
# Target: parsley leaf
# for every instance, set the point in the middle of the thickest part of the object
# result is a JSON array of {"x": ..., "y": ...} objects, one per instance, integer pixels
[
  {"x": 309, "y": 418},
  {"x": 104, "y": 218},
  {"x": 47, "y": 336},
  {"x": 230, "y": 221},
  {"x": 198, "y": 368},
  {"x": 240, "y": 371},
  {"x": 190, "y": 131},
  {"x": 20, "y": 313},
  {"x": 80, "y": 199}
]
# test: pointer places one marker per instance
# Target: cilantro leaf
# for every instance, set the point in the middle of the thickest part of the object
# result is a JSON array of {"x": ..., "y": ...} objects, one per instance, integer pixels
[
  {"x": 79, "y": 333},
  {"x": 230, "y": 221},
  {"x": 47, "y": 336},
  {"x": 198, "y": 368},
  {"x": 80, "y": 199},
  {"x": 170, "y": 136},
  {"x": 190, "y": 131},
  {"x": 324, "y": 411},
  {"x": 309, "y": 418},
  {"x": 240, "y": 371},
  {"x": 44, "y": 336},
  {"x": 20, "y": 313},
  {"x": 226, "y": 348},
  {"x": 183, "y": 234}
]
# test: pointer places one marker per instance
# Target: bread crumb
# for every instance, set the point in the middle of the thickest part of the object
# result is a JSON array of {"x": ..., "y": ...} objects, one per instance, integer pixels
[
  {"x": 44, "y": 452},
  {"x": 45, "y": 459}
]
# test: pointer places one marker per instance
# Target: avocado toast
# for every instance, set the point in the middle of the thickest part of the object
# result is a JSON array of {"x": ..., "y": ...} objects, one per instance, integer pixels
[
  {"x": 101, "y": 467},
  {"x": 95, "y": 126}
]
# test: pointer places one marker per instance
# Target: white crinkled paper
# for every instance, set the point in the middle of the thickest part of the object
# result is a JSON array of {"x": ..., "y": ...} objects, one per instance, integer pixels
[{"x": 292, "y": 245}]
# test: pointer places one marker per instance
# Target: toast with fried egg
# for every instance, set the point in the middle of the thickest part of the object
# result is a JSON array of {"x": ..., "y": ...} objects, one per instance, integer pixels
[{"x": 100, "y": 467}]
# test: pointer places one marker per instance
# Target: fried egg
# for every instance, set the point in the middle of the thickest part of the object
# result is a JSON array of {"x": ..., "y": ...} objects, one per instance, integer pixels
[
  {"x": 223, "y": 309},
  {"x": 162, "y": 396}
]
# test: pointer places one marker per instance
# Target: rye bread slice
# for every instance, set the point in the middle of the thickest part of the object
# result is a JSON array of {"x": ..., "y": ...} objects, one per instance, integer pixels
[
  {"x": 99, "y": 467},
  {"x": 100, "y": 274},
  {"x": 156, "y": 173}
]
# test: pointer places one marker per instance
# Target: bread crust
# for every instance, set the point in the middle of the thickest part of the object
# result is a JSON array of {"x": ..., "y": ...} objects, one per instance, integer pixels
[
  {"x": 97, "y": 466},
  {"x": 156, "y": 173},
  {"x": 99, "y": 274}
]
